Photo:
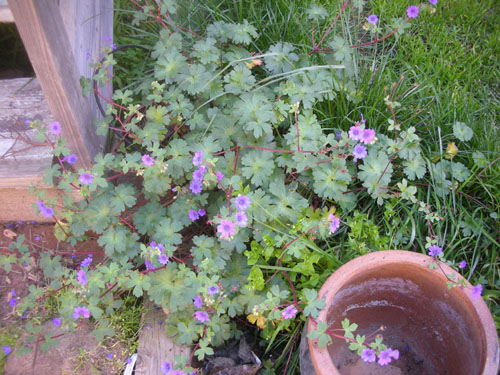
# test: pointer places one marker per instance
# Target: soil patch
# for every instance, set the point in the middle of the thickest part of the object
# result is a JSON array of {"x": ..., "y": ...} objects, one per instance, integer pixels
[{"x": 77, "y": 352}]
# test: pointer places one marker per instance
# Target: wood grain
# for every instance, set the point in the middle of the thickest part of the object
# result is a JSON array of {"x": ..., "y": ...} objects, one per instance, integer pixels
[
  {"x": 43, "y": 32},
  {"x": 22, "y": 158},
  {"x": 154, "y": 345}
]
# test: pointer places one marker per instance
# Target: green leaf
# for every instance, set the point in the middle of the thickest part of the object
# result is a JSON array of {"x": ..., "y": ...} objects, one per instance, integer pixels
[
  {"x": 414, "y": 168},
  {"x": 256, "y": 278},
  {"x": 242, "y": 32},
  {"x": 316, "y": 12},
  {"x": 113, "y": 240},
  {"x": 255, "y": 114},
  {"x": 331, "y": 179},
  {"x": 239, "y": 80},
  {"x": 314, "y": 305},
  {"x": 324, "y": 340},
  {"x": 258, "y": 166},
  {"x": 462, "y": 131},
  {"x": 282, "y": 58},
  {"x": 124, "y": 196},
  {"x": 167, "y": 232}
]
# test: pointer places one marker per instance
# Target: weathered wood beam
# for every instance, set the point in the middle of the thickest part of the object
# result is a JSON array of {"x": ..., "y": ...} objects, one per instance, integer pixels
[
  {"x": 46, "y": 40},
  {"x": 154, "y": 345}
]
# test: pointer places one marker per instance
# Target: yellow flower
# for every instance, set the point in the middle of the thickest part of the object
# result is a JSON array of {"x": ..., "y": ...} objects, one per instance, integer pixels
[
  {"x": 257, "y": 318},
  {"x": 451, "y": 150}
]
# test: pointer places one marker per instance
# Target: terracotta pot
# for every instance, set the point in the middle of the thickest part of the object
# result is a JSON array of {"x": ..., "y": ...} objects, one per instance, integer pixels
[{"x": 436, "y": 330}]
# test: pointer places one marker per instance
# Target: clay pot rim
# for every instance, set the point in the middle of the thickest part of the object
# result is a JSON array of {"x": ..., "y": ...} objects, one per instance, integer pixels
[{"x": 321, "y": 359}]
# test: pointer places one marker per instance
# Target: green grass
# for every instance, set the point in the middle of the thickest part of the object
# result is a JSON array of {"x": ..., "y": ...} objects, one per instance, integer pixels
[{"x": 453, "y": 56}]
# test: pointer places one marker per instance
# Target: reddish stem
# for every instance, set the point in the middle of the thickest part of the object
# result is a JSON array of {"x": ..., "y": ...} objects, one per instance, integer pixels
[
  {"x": 376, "y": 40},
  {"x": 315, "y": 47}
]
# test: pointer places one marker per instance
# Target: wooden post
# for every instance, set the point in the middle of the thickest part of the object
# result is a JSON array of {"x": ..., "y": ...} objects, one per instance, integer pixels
[{"x": 55, "y": 55}]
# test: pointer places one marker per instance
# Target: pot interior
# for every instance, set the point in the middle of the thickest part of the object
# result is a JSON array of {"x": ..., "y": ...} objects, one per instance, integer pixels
[{"x": 436, "y": 330}]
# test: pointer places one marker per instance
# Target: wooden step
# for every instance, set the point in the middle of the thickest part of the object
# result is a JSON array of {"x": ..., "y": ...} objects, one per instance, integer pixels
[
  {"x": 154, "y": 346},
  {"x": 22, "y": 159}
]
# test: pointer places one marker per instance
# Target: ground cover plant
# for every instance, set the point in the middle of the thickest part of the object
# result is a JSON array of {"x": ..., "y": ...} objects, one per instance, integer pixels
[{"x": 259, "y": 147}]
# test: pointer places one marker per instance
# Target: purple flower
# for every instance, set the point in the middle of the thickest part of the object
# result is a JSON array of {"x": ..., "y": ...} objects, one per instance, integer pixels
[
  {"x": 110, "y": 355},
  {"x": 197, "y": 302},
  {"x": 165, "y": 367},
  {"x": 81, "y": 277},
  {"x": 462, "y": 264},
  {"x": 86, "y": 178},
  {"x": 70, "y": 159},
  {"x": 412, "y": 11},
  {"x": 226, "y": 229},
  {"x": 241, "y": 219},
  {"x": 195, "y": 187},
  {"x": 219, "y": 176},
  {"x": 197, "y": 158},
  {"x": 40, "y": 204},
  {"x": 433, "y": 2},
  {"x": 163, "y": 259},
  {"x": 242, "y": 203},
  {"x": 55, "y": 128},
  {"x": 37, "y": 238},
  {"x": 194, "y": 215},
  {"x": 373, "y": 19},
  {"x": 6, "y": 349},
  {"x": 289, "y": 312},
  {"x": 368, "y": 355},
  {"x": 355, "y": 133},
  {"x": 476, "y": 291},
  {"x": 435, "y": 250},
  {"x": 13, "y": 302},
  {"x": 213, "y": 290},
  {"x": 160, "y": 247},
  {"x": 359, "y": 152},
  {"x": 394, "y": 353},
  {"x": 384, "y": 358},
  {"x": 87, "y": 261},
  {"x": 334, "y": 223},
  {"x": 149, "y": 265},
  {"x": 368, "y": 136},
  {"x": 81, "y": 311},
  {"x": 202, "y": 316},
  {"x": 201, "y": 212},
  {"x": 148, "y": 160},
  {"x": 47, "y": 212},
  {"x": 339, "y": 135},
  {"x": 56, "y": 322},
  {"x": 13, "y": 293},
  {"x": 198, "y": 175}
]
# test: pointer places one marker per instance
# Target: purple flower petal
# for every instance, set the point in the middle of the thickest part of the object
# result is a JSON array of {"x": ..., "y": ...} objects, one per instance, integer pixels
[
  {"x": 242, "y": 203},
  {"x": 55, "y": 128},
  {"x": 476, "y": 291},
  {"x": 289, "y": 312},
  {"x": 412, "y": 11},
  {"x": 373, "y": 19}
]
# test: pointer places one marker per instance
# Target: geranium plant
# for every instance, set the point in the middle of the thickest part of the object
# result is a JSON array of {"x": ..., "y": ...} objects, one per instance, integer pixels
[{"x": 225, "y": 178}]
